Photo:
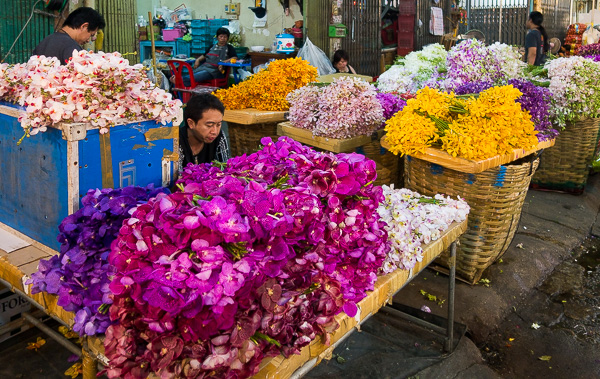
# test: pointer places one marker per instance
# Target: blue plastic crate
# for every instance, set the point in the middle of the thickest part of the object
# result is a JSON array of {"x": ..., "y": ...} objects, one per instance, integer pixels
[
  {"x": 215, "y": 23},
  {"x": 43, "y": 179},
  {"x": 183, "y": 47}
]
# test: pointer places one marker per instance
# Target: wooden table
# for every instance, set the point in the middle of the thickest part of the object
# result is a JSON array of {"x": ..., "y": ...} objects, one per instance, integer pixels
[{"x": 262, "y": 57}]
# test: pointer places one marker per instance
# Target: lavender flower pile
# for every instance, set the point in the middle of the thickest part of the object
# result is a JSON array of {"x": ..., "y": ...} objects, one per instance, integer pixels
[
  {"x": 79, "y": 275},
  {"x": 591, "y": 51},
  {"x": 537, "y": 101},
  {"x": 391, "y": 104},
  {"x": 244, "y": 261},
  {"x": 346, "y": 108},
  {"x": 472, "y": 61}
]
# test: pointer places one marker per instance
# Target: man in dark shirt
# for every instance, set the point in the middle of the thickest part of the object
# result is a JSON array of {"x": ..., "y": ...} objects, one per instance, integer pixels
[
  {"x": 200, "y": 137},
  {"x": 80, "y": 26}
]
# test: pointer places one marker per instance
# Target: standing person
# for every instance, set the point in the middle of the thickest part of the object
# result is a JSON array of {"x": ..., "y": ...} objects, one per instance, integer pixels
[
  {"x": 80, "y": 26},
  {"x": 210, "y": 69},
  {"x": 201, "y": 139},
  {"x": 536, "y": 41},
  {"x": 340, "y": 62}
]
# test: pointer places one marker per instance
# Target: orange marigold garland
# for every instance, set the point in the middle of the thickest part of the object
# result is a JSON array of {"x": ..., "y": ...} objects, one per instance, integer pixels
[{"x": 267, "y": 89}]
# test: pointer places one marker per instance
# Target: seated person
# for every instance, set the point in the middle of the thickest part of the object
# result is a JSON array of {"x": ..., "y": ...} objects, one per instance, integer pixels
[
  {"x": 210, "y": 69},
  {"x": 200, "y": 137},
  {"x": 340, "y": 62}
]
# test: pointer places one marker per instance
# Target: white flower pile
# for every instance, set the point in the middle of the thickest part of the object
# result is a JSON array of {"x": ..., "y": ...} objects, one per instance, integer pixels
[
  {"x": 510, "y": 60},
  {"x": 408, "y": 73},
  {"x": 413, "y": 220},
  {"x": 102, "y": 89},
  {"x": 575, "y": 85}
]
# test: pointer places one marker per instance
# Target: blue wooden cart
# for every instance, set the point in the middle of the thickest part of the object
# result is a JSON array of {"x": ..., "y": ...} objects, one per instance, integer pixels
[{"x": 43, "y": 179}]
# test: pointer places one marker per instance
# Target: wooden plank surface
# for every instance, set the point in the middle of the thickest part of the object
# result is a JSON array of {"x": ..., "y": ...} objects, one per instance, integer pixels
[
  {"x": 251, "y": 116},
  {"x": 385, "y": 288},
  {"x": 442, "y": 158},
  {"x": 18, "y": 260},
  {"x": 334, "y": 145}
]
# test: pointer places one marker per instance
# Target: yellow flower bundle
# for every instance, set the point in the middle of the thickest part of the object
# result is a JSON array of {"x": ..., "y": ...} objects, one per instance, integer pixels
[
  {"x": 472, "y": 128},
  {"x": 267, "y": 89}
]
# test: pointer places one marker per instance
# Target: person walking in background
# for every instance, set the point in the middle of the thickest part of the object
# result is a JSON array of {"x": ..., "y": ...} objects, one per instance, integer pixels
[
  {"x": 80, "y": 27},
  {"x": 340, "y": 62},
  {"x": 536, "y": 41}
]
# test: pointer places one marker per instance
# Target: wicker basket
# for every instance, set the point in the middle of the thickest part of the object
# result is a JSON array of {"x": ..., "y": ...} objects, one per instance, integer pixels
[
  {"x": 566, "y": 166},
  {"x": 384, "y": 159},
  {"x": 496, "y": 198},
  {"x": 245, "y": 139}
]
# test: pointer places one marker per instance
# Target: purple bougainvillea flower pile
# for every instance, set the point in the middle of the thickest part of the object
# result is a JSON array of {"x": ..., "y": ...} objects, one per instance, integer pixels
[
  {"x": 79, "y": 275},
  {"x": 246, "y": 260}
]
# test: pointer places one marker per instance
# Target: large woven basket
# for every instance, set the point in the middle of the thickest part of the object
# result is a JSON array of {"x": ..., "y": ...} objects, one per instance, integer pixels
[
  {"x": 496, "y": 199},
  {"x": 245, "y": 139},
  {"x": 384, "y": 159},
  {"x": 565, "y": 166}
]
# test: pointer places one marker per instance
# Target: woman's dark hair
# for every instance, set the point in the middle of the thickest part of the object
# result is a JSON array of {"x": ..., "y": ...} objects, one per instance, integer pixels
[
  {"x": 223, "y": 31},
  {"x": 537, "y": 18},
  {"x": 85, "y": 14},
  {"x": 201, "y": 103},
  {"x": 339, "y": 55}
]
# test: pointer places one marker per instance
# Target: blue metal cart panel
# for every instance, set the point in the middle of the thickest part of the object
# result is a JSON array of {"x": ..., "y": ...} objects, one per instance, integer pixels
[
  {"x": 135, "y": 161},
  {"x": 33, "y": 181}
]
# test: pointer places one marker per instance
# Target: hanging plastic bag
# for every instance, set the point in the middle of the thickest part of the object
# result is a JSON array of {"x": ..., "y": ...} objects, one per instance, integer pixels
[{"x": 316, "y": 57}]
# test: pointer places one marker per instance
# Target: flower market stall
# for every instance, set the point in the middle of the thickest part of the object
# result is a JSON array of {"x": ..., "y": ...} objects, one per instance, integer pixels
[
  {"x": 472, "y": 130},
  {"x": 574, "y": 82},
  {"x": 255, "y": 266},
  {"x": 273, "y": 254},
  {"x": 342, "y": 116},
  {"x": 67, "y": 111},
  {"x": 95, "y": 122},
  {"x": 256, "y": 105}
]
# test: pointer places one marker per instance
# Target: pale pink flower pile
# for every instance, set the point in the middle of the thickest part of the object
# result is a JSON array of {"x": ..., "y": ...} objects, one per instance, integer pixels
[
  {"x": 101, "y": 89},
  {"x": 348, "y": 107}
]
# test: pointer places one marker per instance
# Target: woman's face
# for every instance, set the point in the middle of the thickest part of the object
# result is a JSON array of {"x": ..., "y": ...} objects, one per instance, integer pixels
[
  {"x": 222, "y": 38},
  {"x": 342, "y": 64},
  {"x": 529, "y": 24}
]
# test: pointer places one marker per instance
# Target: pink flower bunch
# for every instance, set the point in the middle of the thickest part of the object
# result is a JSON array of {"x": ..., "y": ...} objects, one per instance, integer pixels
[
  {"x": 346, "y": 108},
  {"x": 102, "y": 89},
  {"x": 247, "y": 260}
]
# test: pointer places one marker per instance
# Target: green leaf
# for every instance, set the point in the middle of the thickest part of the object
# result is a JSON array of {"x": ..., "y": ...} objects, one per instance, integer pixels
[
  {"x": 267, "y": 338},
  {"x": 545, "y": 358}
]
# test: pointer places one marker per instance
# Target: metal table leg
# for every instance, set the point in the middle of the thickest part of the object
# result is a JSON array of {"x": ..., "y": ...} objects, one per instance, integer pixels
[{"x": 451, "y": 287}]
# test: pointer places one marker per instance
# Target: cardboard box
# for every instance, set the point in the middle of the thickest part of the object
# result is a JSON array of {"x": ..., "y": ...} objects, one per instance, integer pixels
[{"x": 11, "y": 305}]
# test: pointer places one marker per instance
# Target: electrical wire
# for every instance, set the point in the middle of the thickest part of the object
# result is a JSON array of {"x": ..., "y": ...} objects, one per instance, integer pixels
[{"x": 22, "y": 30}]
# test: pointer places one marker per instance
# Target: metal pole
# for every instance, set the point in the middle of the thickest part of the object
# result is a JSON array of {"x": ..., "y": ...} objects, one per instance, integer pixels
[
  {"x": 451, "y": 287},
  {"x": 468, "y": 15},
  {"x": 500, "y": 22},
  {"x": 52, "y": 334},
  {"x": 153, "y": 49}
]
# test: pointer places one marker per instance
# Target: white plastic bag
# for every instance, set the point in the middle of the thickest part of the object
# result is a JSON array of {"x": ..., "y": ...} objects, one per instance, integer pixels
[
  {"x": 244, "y": 74},
  {"x": 316, "y": 57}
]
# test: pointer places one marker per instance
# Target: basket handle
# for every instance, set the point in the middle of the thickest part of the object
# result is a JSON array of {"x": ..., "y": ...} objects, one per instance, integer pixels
[{"x": 532, "y": 158}]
